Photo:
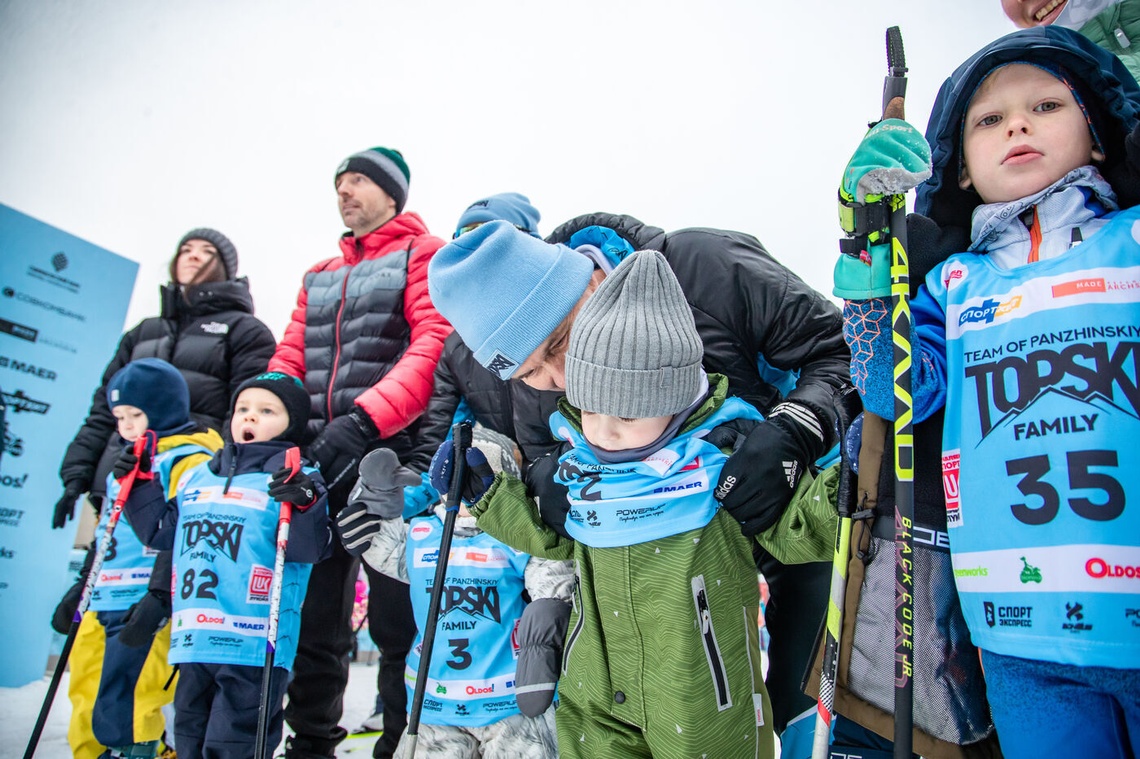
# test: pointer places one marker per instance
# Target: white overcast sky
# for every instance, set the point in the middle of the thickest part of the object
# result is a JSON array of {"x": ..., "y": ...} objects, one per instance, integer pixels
[{"x": 129, "y": 122}]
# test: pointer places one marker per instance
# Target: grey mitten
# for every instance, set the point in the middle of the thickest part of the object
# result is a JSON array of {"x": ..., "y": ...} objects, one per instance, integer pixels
[
  {"x": 542, "y": 633},
  {"x": 381, "y": 484}
]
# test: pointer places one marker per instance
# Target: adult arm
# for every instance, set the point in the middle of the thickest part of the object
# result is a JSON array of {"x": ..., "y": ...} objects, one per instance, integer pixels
[
  {"x": 507, "y": 513},
  {"x": 402, "y": 394},
  {"x": 83, "y": 453},
  {"x": 250, "y": 346},
  {"x": 437, "y": 419}
]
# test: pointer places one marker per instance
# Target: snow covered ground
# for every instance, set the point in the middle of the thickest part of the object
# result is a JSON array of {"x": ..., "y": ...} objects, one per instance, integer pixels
[{"x": 19, "y": 708}]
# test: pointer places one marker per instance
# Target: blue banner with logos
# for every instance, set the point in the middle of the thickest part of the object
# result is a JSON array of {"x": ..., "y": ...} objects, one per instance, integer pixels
[{"x": 62, "y": 306}]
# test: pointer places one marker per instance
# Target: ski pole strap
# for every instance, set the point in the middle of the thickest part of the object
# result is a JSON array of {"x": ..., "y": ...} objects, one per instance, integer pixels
[{"x": 865, "y": 224}]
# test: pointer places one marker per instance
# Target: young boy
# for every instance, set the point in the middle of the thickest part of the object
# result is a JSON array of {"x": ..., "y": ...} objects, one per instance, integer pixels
[
  {"x": 1029, "y": 341},
  {"x": 118, "y": 686},
  {"x": 663, "y": 656},
  {"x": 222, "y": 525},
  {"x": 471, "y": 705}
]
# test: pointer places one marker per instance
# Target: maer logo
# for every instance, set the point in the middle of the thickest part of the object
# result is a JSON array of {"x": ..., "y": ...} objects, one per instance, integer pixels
[
  {"x": 989, "y": 310},
  {"x": 223, "y": 537}
]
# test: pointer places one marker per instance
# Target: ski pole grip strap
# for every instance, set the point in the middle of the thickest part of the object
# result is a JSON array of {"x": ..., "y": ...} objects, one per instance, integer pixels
[{"x": 863, "y": 219}]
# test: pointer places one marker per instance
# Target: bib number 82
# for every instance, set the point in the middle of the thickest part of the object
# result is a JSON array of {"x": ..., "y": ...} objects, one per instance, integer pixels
[{"x": 1034, "y": 468}]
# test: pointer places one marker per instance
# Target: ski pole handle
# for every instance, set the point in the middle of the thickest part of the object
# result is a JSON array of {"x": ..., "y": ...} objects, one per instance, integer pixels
[{"x": 894, "y": 85}]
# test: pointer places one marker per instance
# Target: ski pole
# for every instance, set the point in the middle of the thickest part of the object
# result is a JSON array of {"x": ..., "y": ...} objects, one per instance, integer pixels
[
  {"x": 284, "y": 518},
  {"x": 848, "y": 409},
  {"x": 894, "y": 91},
  {"x": 125, "y": 485},
  {"x": 461, "y": 441}
]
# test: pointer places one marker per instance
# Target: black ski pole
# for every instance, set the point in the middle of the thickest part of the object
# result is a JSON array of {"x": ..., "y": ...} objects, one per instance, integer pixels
[
  {"x": 125, "y": 486},
  {"x": 894, "y": 92},
  {"x": 284, "y": 519},
  {"x": 461, "y": 441}
]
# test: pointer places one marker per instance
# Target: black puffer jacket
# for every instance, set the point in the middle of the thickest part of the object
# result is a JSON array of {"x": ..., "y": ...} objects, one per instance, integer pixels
[
  {"x": 746, "y": 305},
  {"x": 211, "y": 336}
]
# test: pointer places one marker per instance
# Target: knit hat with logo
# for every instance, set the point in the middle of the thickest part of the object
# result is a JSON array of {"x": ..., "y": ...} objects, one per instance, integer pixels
[
  {"x": 505, "y": 291},
  {"x": 508, "y": 206},
  {"x": 293, "y": 397},
  {"x": 385, "y": 167},
  {"x": 155, "y": 387},
  {"x": 227, "y": 253},
  {"x": 634, "y": 349}
]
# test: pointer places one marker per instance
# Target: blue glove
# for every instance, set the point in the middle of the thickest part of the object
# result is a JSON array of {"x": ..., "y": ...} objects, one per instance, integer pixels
[
  {"x": 479, "y": 472},
  {"x": 892, "y": 158}
]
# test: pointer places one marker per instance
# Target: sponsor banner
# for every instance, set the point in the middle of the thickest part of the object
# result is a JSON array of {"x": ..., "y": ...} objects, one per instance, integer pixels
[
  {"x": 1095, "y": 285},
  {"x": 462, "y": 690},
  {"x": 1065, "y": 569},
  {"x": 62, "y": 306},
  {"x": 467, "y": 557},
  {"x": 218, "y": 621}
]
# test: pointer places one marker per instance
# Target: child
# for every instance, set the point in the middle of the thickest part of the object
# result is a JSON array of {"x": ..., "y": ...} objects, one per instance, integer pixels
[
  {"x": 1028, "y": 340},
  {"x": 118, "y": 686},
  {"x": 663, "y": 654},
  {"x": 222, "y": 525},
  {"x": 469, "y": 706}
]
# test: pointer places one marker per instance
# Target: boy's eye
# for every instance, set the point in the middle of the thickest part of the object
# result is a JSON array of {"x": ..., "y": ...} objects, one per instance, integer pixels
[
  {"x": 627, "y": 420},
  {"x": 1047, "y": 106},
  {"x": 990, "y": 120}
]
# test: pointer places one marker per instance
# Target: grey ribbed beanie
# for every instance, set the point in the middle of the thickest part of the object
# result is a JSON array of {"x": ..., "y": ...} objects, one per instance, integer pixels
[{"x": 634, "y": 349}]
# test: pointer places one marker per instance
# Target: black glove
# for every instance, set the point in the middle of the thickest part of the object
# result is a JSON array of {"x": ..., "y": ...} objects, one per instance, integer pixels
[
  {"x": 479, "y": 472},
  {"x": 144, "y": 619},
  {"x": 65, "y": 506},
  {"x": 127, "y": 460},
  {"x": 355, "y": 526},
  {"x": 64, "y": 613},
  {"x": 760, "y": 478},
  {"x": 340, "y": 445},
  {"x": 541, "y": 634},
  {"x": 381, "y": 484},
  {"x": 295, "y": 488}
]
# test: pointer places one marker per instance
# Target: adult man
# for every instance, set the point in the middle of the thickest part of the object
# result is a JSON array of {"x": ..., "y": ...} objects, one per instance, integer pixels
[
  {"x": 365, "y": 340},
  {"x": 513, "y": 301}
]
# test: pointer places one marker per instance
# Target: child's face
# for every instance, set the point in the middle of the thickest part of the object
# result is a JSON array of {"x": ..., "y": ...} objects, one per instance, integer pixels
[
  {"x": 617, "y": 433},
  {"x": 132, "y": 421},
  {"x": 1023, "y": 131},
  {"x": 1027, "y": 13},
  {"x": 259, "y": 415}
]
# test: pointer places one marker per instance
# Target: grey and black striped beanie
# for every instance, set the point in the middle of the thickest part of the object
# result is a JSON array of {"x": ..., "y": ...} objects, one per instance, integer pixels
[
  {"x": 385, "y": 167},
  {"x": 634, "y": 349}
]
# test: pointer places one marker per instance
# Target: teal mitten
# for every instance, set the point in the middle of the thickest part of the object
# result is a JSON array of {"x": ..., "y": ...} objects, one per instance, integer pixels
[
  {"x": 892, "y": 158},
  {"x": 868, "y": 276}
]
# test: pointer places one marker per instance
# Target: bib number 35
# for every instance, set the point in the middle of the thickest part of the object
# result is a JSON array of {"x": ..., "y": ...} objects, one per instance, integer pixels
[{"x": 1108, "y": 505}]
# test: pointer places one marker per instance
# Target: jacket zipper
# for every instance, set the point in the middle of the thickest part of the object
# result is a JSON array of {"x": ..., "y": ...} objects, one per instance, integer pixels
[
  {"x": 233, "y": 470},
  {"x": 708, "y": 638},
  {"x": 573, "y": 637},
  {"x": 336, "y": 341}
]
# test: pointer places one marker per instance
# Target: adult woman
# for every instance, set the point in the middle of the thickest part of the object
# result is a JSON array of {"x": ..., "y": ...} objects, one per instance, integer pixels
[{"x": 206, "y": 329}]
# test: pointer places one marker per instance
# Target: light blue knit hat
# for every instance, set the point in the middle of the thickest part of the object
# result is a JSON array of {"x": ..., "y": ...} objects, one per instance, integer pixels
[
  {"x": 505, "y": 291},
  {"x": 508, "y": 206}
]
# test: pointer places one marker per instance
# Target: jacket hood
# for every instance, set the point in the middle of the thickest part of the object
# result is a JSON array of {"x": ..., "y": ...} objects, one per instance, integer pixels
[
  {"x": 206, "y": 298},
  {"x": 640, "y": 236},
  {"x": 401, "y": 226},
  {"x": 1100, "y": 72}
]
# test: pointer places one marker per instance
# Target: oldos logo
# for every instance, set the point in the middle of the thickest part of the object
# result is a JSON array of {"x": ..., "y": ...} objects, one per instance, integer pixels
[
  {"x": 223, "y": 537},
  {"x": 1101, "y": 569}
]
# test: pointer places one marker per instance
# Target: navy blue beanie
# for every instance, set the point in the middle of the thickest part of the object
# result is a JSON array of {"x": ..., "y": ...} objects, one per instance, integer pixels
[
  {"x": 505, "y": 291},
  {"x": 155, "y": 387},
  {"x": 507, "y": 206}
]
